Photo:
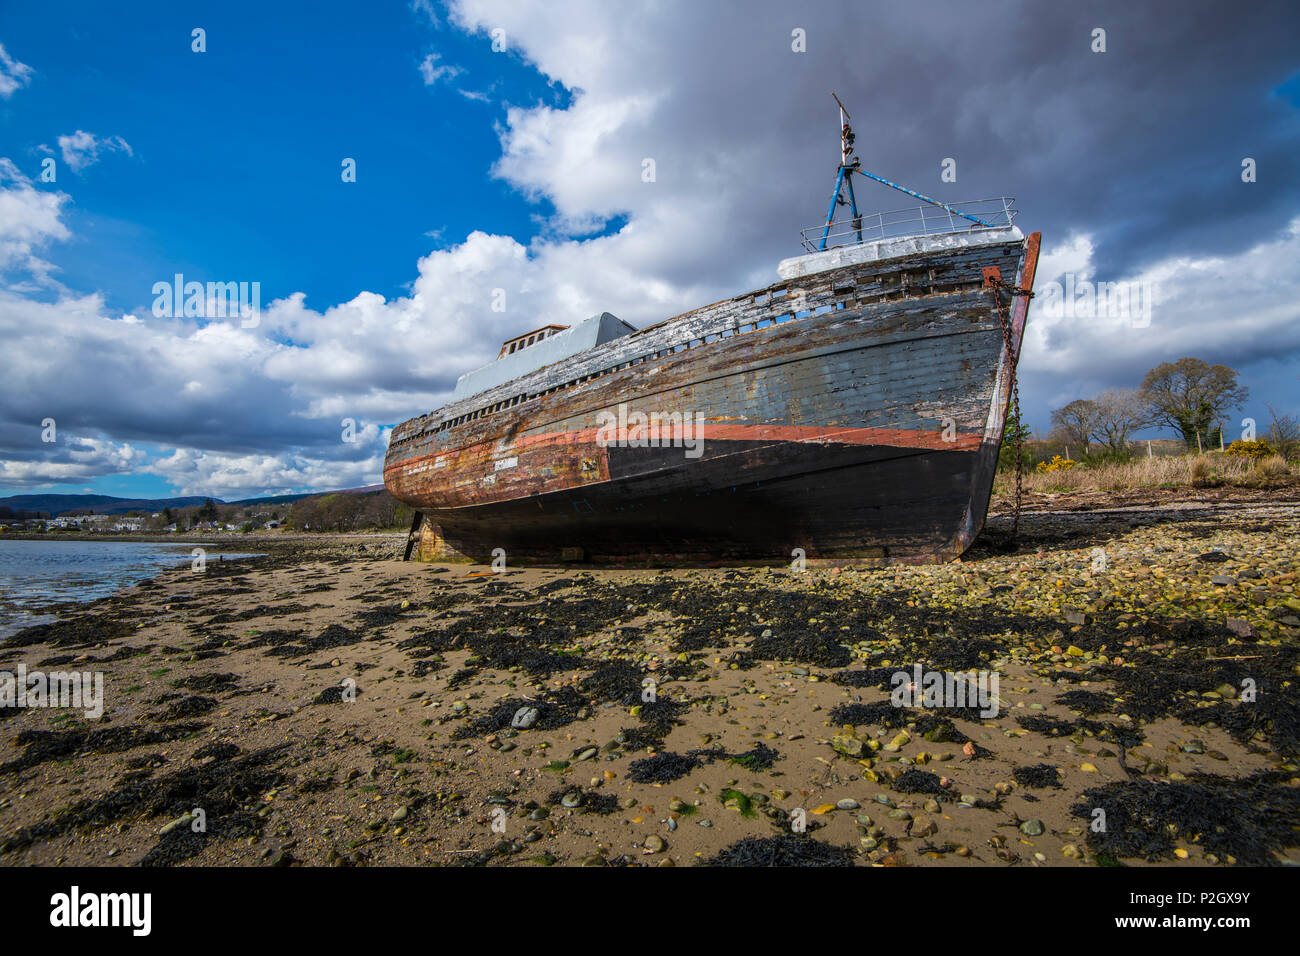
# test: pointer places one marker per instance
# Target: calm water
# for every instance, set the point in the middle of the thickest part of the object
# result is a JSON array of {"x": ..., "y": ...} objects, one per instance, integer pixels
[{"x": 35, "y": 573}]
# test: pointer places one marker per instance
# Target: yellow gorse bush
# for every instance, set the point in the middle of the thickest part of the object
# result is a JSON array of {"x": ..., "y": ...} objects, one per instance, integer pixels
[
  {"x": 1251, "y": 449},
  {"x": 1056, "y": 464}
]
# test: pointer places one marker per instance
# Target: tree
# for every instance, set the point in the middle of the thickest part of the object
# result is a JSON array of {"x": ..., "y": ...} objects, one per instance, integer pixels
[
  {"x": 1077, "y": 422},
  {"x": 207, "y": 511},
  {"x": 1189, "y": 395},
  {"x": 1119, "y": 412},
  {"x": 1007, "y": 453},
  {"x": 1283, "y": 433}
]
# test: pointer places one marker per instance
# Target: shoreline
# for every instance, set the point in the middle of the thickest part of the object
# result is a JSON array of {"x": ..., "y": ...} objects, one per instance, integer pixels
[{"x": 230, "y": 692}]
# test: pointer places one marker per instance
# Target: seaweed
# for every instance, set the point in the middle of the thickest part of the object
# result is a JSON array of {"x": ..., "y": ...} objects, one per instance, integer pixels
[
  {"x": 554, "y": 710},
  {"x": 930, "y": 726},
  {"x": 1038, "y": 776},
  {"x": 1086, "y": 702},
  {"x": 808, "y": 647},
  {"x": 788, "y": 849},
  {"x": 208, "y": 682},
  {"x": 662, "y": 768},
  {"x": 43, "y": 745},
  {"x": 760, "y": 758},
  {"x": 224, "y": 789},
  {"x": 919, "y": 781},
  {"x": 1246, "y": 818}
]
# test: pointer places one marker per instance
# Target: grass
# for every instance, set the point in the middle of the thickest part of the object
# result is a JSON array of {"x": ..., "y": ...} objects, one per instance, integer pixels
[{"x": 1170, "y": 471}]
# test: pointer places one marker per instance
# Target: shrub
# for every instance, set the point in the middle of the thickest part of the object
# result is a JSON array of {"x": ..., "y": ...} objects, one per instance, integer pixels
[
  {"x": 1254, "y": 450},
  {"x": 1056, "y": 464},
  {"x": 1202, "y": 476},
  {"x": 1274, "y": 466},
  {"x": 1108, "y": 456}
]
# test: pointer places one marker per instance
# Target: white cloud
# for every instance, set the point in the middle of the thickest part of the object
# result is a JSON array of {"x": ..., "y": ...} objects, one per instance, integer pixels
[
  {"x": 69, "y": 459},
  {"x": 194, "y": 472},
  {"x": 432, "y": 71},
  {"x": 29, "y": 220},
  {"x": 82, "y": 149},
  {"x": 13, "y": 75},
  {"x": 1238, "y": 310},
  {"x": 743, "y": 154}
]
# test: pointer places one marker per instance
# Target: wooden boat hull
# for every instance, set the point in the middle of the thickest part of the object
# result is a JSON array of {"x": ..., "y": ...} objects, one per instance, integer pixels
[{"x": 853, "y": 413}]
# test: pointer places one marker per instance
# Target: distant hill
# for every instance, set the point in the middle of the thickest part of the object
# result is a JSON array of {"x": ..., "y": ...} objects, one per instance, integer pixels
[{"x": 55, "y": 505}]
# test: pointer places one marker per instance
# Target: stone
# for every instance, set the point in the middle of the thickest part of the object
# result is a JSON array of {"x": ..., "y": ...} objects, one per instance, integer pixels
[
  {"x": 923, "y": 826},
  {"x": 1240, "y": 628},
  {"x": 846, "y": 744},
  {"x": 524, "y": 718},
  {"x": 1032, "y": 828}
]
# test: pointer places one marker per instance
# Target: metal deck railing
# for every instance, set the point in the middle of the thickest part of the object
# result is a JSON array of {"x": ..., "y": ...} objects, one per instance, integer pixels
[{"x": 923, "y": 220}]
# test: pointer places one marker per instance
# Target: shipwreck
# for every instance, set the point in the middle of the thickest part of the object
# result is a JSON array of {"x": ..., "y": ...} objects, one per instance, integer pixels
[{"x": 854, "y": 409}]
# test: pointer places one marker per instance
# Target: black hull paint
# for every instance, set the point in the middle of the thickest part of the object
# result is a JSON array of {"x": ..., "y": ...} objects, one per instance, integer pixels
[{"x": 830, "y": 501}]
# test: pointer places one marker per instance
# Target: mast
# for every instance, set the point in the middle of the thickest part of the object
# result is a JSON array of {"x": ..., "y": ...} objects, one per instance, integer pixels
[{"x": 850, "y": 164}]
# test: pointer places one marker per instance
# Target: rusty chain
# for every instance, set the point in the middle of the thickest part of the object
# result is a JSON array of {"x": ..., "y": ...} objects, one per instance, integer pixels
[{"x": 999, "y": 286}]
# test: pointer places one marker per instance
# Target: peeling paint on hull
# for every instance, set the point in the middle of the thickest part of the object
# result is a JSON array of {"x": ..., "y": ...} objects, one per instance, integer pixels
[{"x": 856, "y": 412}]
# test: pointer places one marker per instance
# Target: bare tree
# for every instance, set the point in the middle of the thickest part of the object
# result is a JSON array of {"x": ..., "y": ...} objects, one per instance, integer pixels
[
  {"x": 1120, "y": 412},
  {"x": 1076, "y": 421},
  {"x": 1283, "y": 433}
]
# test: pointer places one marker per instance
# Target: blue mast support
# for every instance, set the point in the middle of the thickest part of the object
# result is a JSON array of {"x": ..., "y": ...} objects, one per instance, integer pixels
[
  {"x": 830, "y": 214},
  {"x": 933, "y": 202},
  {"x": 853, "y": 204},
  {"x": 850, "y": 164}
]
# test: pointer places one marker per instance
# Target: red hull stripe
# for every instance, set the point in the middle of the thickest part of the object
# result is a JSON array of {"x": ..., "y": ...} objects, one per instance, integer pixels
[{"x": 812, "y": 434}]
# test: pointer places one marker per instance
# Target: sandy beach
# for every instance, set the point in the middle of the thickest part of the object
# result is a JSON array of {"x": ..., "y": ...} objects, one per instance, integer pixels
[{"x": 328, "y": 704}]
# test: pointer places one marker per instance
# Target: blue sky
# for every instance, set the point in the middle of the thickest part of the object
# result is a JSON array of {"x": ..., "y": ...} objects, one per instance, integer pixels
[
  {"x": 236, "y": 152},
  {"x": 519, "y": 170}
]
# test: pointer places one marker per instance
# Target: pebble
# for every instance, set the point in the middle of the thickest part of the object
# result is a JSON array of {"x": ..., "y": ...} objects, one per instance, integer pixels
[
  {"x": 1032, "y": 828},
  {"x": 524, "y": 718},
  {"x": 923, "y": 826}
]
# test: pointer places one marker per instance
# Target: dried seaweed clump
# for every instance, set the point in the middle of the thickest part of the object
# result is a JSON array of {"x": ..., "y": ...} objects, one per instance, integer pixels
[{"x": 788, "y": 849}]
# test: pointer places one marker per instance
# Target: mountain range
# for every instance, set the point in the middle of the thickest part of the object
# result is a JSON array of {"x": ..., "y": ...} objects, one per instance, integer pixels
[{"x": 55, "y": 505}]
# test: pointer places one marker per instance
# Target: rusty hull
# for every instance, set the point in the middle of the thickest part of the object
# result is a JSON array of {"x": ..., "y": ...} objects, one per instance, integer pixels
[{"x": 853, "y": 413}]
